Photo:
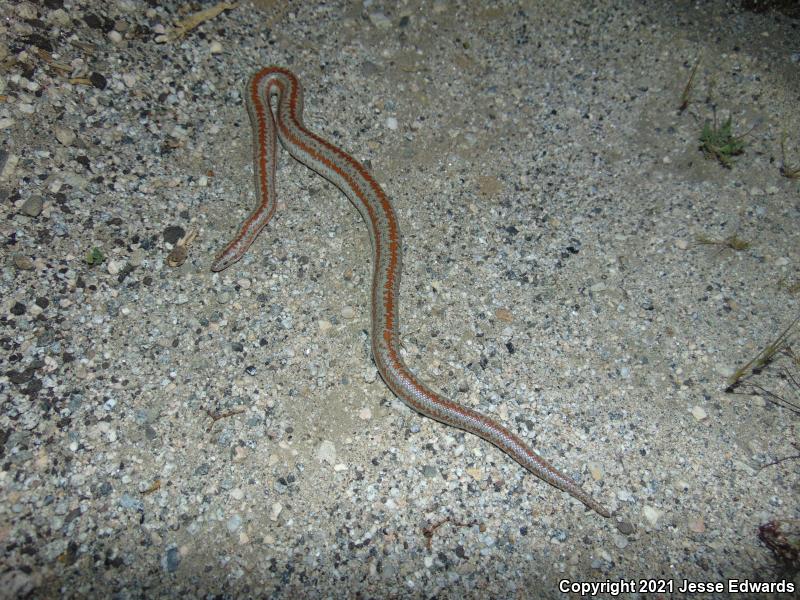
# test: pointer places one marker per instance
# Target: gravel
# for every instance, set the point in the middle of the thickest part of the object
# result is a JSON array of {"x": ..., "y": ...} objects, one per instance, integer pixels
[{"x": 167, "y": 432}]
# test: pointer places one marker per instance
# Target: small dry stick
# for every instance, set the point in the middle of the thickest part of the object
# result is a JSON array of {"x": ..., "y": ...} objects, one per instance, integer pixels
[
  {"x": 192, "y": 21},
  {"x": 180, "y": 251},
  {"x": 431, "y": 529},
  {"x": 780, "y": 460},
  {"x": 155, "y": 486},
  {"x": 790, "y": 172},
  {"x": 688, "y": 89},
  {"x": 48, "y": 58},
  {"x": 763, "y": 357},
  {"x": 216, "y": 416},
  {"x": 734, "y": 242}
]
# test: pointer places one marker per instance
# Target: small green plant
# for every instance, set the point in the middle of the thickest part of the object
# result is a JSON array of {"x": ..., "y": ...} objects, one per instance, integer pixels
[
  {"x": 788, "y": 171},
  {"x": 734, "y": 242},
  {"x": 94, "y": 256},
  {"x": 718, "y": 141}
]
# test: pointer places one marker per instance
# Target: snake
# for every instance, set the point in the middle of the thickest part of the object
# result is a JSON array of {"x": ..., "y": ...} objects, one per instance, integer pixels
[{"x": 284, "y": 121}]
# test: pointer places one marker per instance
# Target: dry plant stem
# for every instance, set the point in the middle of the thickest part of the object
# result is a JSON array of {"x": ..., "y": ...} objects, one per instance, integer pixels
[
  {"x": 688, "y": 89},
  {"x": 764, "y": 356}
]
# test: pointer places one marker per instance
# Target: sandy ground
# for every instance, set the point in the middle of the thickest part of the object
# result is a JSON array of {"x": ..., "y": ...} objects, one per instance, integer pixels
[{"x": 171, "y": 432}]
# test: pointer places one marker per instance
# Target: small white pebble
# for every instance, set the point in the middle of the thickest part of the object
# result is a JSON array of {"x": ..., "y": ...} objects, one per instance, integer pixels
[
  {"x": 380, "y": 20},
  {"x": 326, "y": 452},
  {"x": 652, "y": 514},
  {"x": 65, "y": 136},
  {"x": 475, "y": 473},
  {"x": 596, "y": 471},
  {"x": 26, "y": 10},
  {"x": 682, "y": 244},
  {"x": 275, "y": 511},
  {"x": 215, "y": 47},
  {"x": 234, "y": 523},
  {"x": 699, "y": 413},
  {"x": 115, "y": 36},
  {"x": 391, "y": 123},
  {"x": 724, "y": 370},
  {"x": 365, "y": 414},
  {"x": 620, "y": 541},
  {"x": 370, "y": 375},
  {"x": 348, "y": 312},
  {"x": 114, "y": 266},
  {"x": 697, "y": 525},
  {"x": 625, "y": 495}
]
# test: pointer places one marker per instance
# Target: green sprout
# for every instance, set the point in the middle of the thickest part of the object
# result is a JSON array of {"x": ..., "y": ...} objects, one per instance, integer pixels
[
  {"x": 95, "y": 256},
  {"x": 718, "y": 141}
]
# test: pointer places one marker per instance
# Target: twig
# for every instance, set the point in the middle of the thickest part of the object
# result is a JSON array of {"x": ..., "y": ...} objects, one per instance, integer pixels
[
  {"x": 688, "y": 89},
  {"x": 431, "y": 529},
  {"x": 216, "y": 416},
  {"x": 763, "y": 357},
  {"x": 184, "y": 26},
  {"x": 785, "y": 458},
  {"x": 155, "y": 486}
]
